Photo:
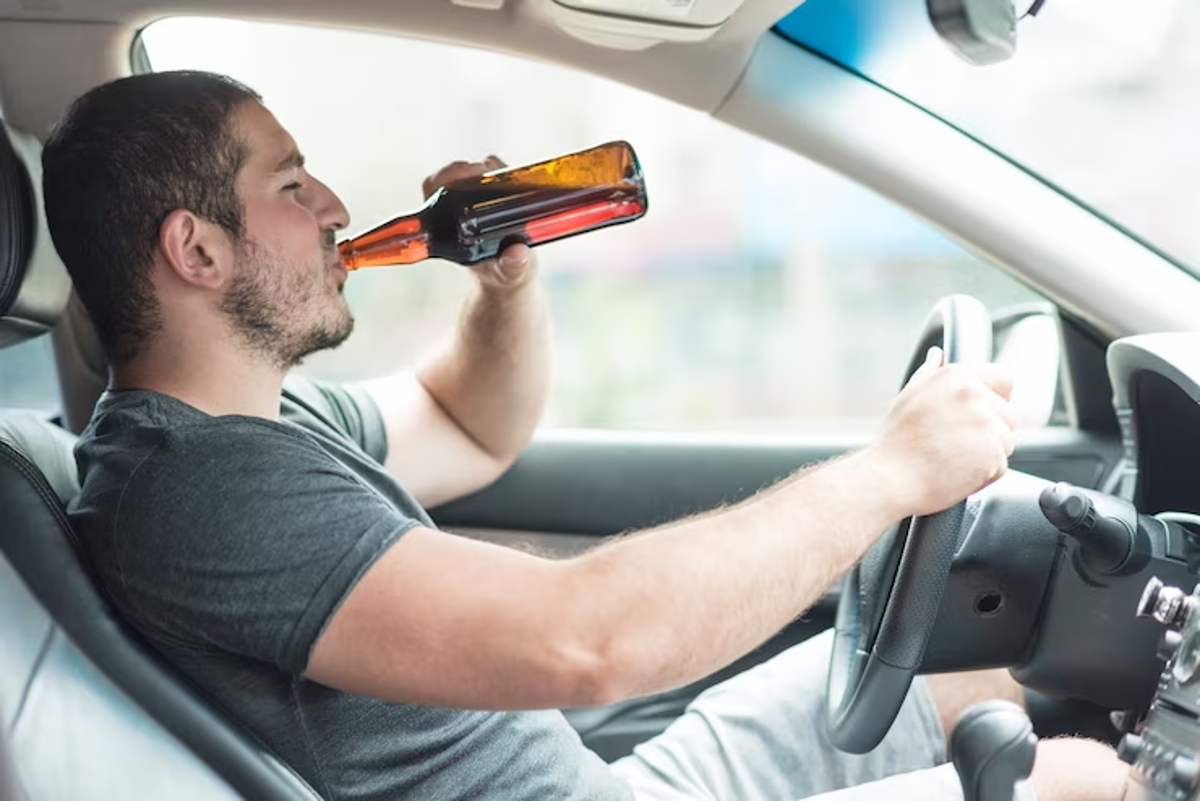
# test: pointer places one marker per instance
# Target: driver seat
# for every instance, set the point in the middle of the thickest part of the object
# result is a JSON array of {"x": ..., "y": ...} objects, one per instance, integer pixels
[{"x": 87, "y": 710}]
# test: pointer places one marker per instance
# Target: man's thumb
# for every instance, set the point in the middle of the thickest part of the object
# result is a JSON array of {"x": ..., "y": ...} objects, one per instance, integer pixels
[{"x": 933, "y": 360}]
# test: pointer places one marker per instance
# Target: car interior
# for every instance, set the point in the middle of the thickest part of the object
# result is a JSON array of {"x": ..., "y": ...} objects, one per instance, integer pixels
[{"x": 89, "y": 711}]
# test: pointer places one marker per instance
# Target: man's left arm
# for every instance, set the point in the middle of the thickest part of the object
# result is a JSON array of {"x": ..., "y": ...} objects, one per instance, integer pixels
[{"x": 464, "y": 415}]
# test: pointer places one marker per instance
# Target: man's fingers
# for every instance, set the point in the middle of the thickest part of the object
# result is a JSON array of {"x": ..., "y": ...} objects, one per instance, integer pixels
[
  {"x": 1008, "y": 438},
  {"x": 1004, "y": 410},
  {"x": 514, "y": 267},
  {"x": 516, "y": 258},
  {"x": 933, "y": 360},
  {"x": 998, "y": 378},
  {"x": 458, "y": 171}
]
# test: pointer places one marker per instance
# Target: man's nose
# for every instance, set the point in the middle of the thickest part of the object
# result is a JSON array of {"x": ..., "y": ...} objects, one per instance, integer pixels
[{"x": 330, "y": 211}]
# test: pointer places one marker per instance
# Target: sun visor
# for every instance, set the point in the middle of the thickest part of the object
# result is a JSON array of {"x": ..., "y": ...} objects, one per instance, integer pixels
[{"x": 639, "y": 24}]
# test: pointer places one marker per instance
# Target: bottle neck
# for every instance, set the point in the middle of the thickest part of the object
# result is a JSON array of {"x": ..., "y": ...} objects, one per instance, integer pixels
[{"x": 404, "y": 240}]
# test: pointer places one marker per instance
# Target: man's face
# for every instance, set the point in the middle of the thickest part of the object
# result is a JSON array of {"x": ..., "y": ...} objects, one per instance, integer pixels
[{"x": 285, "y": 297}]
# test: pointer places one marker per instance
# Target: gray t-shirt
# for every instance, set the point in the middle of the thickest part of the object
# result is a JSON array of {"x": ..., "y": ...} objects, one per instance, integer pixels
[{"x": 229, "y": 542}]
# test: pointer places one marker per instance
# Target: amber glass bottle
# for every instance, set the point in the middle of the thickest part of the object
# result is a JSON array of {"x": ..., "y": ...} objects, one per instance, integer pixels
[{"x": 472, "y": 220}]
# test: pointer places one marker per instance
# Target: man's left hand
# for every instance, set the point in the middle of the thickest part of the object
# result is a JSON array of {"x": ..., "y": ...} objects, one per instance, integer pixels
[{"x": 516, "y": 265}]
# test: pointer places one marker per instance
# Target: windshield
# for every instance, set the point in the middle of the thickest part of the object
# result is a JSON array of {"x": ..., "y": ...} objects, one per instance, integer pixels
[
  {"x": 1101, "y": 99},
  {"x": 761, "y": 293}
]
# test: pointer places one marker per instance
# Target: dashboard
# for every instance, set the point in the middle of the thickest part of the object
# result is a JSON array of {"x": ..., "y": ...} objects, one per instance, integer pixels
[
  {"x": 1047, "y": 577},
  {"x": 1156, "y": 394}
]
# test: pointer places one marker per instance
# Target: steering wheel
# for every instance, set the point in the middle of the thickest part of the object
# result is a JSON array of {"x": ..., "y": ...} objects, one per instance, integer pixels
[{"x": 890, "y": 600}]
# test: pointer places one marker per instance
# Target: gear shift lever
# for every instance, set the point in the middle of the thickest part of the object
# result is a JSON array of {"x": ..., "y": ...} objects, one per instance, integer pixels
[{"x": 992, "y": 749}]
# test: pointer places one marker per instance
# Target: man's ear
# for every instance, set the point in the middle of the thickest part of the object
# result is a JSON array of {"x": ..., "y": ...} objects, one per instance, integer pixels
[{"x": 197, "y": 251}]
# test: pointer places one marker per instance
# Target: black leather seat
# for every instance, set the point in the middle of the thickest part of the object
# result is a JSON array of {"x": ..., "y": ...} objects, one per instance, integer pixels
[
  {"x": 87, "y": 711},
  {"x": 9, "y": 790}
]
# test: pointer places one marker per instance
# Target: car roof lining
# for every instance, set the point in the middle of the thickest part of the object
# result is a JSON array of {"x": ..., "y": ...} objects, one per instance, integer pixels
[{"x": 88, "y": 41}]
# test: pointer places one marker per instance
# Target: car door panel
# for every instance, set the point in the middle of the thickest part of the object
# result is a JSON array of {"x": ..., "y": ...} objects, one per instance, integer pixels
[{"x": 589, "y": 485}]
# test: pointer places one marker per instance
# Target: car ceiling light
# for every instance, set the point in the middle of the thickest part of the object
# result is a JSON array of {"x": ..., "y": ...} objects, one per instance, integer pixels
[{"x": 639, "y": 24}]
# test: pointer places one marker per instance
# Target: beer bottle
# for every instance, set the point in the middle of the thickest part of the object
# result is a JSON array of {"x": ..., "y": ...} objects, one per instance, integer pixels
[{"x": 472, "y": 220}]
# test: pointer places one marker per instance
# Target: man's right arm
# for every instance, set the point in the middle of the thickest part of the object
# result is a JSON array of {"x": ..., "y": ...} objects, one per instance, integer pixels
[{"x": 447, "y": 621}]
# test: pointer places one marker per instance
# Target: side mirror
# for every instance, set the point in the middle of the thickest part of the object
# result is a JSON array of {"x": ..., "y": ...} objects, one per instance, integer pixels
[{"x": 1028, "y": 342}]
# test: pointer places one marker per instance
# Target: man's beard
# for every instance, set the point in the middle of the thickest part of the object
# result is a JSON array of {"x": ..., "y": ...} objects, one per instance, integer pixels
[{"x": 260, "y": 311}]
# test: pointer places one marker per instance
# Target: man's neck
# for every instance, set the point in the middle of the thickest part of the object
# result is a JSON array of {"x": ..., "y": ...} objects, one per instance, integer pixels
[{"x": 218, "y": 384}]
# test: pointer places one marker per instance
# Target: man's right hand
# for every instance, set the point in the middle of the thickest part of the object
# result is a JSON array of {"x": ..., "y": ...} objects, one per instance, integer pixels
[
  {"x": 1074, "y": 769},
  {"x": 948, "y": 434}
]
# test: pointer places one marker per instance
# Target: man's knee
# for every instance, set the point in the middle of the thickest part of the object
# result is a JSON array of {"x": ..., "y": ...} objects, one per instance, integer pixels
[
  {"x": 1074, "y": 769},
  {"x": 955, "y": 693}
]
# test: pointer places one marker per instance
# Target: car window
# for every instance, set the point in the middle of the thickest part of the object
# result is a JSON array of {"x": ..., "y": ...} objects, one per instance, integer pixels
[
  {"x": 27, "y": 377},
  {"x": 761, "y": 293}
]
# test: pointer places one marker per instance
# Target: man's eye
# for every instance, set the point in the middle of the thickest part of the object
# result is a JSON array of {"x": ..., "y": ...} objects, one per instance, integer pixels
[{"x": 294, "y": 186}]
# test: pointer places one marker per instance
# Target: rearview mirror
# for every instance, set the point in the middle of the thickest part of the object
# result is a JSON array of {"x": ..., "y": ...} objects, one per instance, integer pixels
[{"x": 980, "y": 32}]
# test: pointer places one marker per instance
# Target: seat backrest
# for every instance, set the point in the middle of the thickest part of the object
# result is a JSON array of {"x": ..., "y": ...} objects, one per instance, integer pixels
[
  {"x": 90, "y": 712},
  {"x": 72, "y": 732},
  {"x": 9, "y": 790},
  {"x": 86, "y": 709}
]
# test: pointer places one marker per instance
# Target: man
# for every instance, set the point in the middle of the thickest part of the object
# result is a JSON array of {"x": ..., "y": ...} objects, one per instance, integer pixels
[{"x": 278, "y": 551}]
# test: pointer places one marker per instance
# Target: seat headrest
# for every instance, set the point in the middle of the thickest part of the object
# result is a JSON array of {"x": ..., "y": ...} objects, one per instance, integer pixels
[{"x": 34, "y": 284}]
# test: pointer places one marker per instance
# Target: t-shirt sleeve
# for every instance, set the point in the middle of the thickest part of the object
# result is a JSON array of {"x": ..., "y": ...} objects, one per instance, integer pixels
[
  {"x": 349, "y": 408},
  {"x": 268, "y": 535}
]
